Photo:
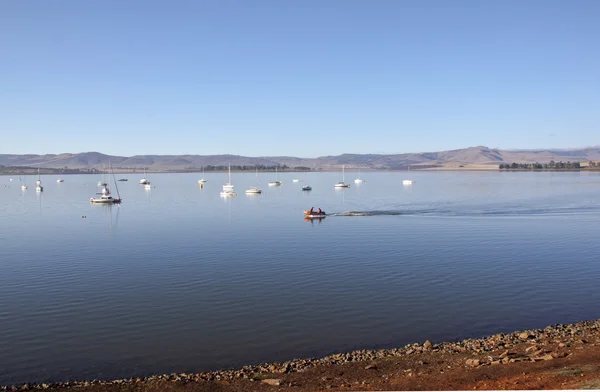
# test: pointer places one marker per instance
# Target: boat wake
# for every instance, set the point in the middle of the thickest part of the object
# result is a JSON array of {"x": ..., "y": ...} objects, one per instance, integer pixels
[
  {"x": 385, "y": 212},
  {"x": 476, "y": 213}
]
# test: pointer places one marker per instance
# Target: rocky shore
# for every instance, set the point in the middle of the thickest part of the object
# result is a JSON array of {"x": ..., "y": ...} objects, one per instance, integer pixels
[{"x": 468, "y": 364}]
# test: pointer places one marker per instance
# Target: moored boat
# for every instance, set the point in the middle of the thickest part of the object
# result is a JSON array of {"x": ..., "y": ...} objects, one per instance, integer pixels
[{"x": 105, "y": 197}]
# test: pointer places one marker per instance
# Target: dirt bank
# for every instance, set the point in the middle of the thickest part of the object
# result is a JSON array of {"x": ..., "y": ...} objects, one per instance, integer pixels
[{"x": 563, "y": 356}]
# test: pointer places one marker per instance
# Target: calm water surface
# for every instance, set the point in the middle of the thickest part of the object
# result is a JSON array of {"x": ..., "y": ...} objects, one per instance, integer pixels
[{"x": 179, "y": 279}]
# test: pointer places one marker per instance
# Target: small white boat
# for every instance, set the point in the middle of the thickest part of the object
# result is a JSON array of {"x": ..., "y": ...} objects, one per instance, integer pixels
[
  {"x": 407, "y": 182},
  {"x": 202, "y": 180},
  {"x": 296, "y": 180},
  {"x": 11, "y": 180},
  {"x": 358, "y": 180},
  {"x": 39, "y": 187},
  {"x": 276, "y": 182},
  {"x": 228, "y": 193},
  {"x": 228, "y": 186},
  {"x": 342, "y": 184},
  {"x": 148, "y": 186},
  {"x": 306, "y": 188},
  {"x": 144, "y": 180},
  {"x": 24, "y": 187},
  {"x": 253, "y": 191},
  {"x": 60, "y": 180}
]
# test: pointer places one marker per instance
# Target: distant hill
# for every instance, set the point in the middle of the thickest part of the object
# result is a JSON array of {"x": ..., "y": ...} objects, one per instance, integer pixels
[{"x": 479, "y": 156}]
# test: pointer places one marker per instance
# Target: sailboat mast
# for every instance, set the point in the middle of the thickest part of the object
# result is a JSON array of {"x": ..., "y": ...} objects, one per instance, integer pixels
[
  {"x": 115, "y": 181},
  {"x": 230, "y": 173}
]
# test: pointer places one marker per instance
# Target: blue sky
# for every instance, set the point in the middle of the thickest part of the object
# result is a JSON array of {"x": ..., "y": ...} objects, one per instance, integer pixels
[{"x": 303, "y": 78}]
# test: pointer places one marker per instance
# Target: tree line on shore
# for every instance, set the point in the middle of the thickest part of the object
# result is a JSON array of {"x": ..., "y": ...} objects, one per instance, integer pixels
[{"x": 538, "y": 166}]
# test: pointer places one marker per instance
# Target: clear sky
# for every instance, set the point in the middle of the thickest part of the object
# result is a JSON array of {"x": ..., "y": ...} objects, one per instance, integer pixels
[{"x": 303, "y": 78}]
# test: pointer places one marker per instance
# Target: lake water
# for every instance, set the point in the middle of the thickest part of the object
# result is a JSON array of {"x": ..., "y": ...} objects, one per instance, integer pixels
[{"x": 178, "y": 279}]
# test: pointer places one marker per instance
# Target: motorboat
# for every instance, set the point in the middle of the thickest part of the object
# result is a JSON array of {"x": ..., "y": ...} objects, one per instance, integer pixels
[
  {"x": 314, "y": 214},
  {"x": 296, "y": 180},
  {"x": 123, "y": 179},
  {"x": 407, "y": 182},
  {"x": 60, "y": 180},
  {"x": 306, "y": 188}
]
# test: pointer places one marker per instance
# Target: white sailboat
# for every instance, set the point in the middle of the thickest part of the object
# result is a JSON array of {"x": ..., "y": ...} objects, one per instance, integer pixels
[
  {"x": 228, "y": 187},
  {"x": 39, "y": 187},
  {"x": 254, "y": 190},
  {"x": 276, "y": 182},
  {"x": 103, "y": 181},
  {"x": 358, "y": 180},
  {"x": 105, "y": 197},
  {"x": 342, "y": 184},
  {"x": 202, "y": 180},
  {"x": 24, "y": 186},
  {"x": 144, "y": 180}
]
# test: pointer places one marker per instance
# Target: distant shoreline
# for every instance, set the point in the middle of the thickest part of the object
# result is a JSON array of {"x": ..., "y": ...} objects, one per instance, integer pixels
[{"x": 59, "y": 172}]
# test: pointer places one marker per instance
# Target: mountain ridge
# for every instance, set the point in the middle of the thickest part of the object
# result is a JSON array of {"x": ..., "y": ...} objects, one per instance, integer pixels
[{"x": 478, "y": 155}]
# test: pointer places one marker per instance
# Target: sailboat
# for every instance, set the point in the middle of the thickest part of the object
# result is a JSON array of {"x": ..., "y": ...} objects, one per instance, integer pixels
[
  {"x": 202, "y": 180},
  {"x": 144, "y": 180},
  {"x": 39, "y": 187},
  {"x": 228, "y": 187},
  {"x": 103, "y": 181},
  {"x": 105, "y": 197},
  {"x": 342, "y": 184},
  {"x": 24, "y": 186},
  {"x": 276, "y": 182},
  {"x": 254, "y": 190},
  {"x": 358, "y": 180}
]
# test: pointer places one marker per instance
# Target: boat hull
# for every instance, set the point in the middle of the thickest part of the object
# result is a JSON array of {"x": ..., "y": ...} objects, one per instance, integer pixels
[
  {"x": 308, "y": 214},
  {"x": 105, "y": 201}
]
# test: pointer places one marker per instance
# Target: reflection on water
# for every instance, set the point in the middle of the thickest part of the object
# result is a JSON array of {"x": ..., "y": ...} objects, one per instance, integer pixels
[{"x": 177, "y": 278}]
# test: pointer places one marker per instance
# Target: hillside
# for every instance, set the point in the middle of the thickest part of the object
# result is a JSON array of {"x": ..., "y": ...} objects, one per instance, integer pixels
[{"x": 479, "y": 156}]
